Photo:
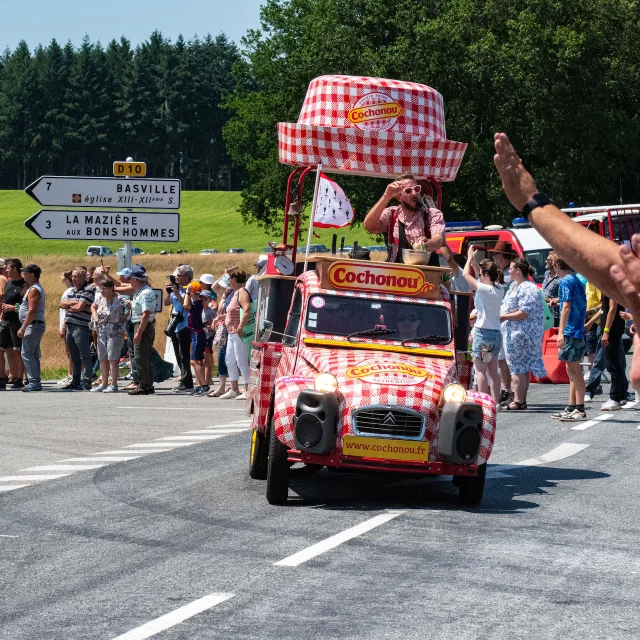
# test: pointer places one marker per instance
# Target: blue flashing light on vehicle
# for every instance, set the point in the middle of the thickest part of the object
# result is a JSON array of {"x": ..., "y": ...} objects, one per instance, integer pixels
[
  {"x": 521, "y": 223},
  {"x": 471, "y": 225}
]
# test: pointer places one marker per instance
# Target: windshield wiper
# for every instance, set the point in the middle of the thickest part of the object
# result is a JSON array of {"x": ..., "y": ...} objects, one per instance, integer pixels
[
  {"x": 377, "y": 331},
  {"x": 426, "y": 339}
]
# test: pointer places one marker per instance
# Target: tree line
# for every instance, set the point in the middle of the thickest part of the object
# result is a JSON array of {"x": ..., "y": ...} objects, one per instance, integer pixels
[
  {"x": 561, "y": 78},
  {"x": 73, "y": 111}
]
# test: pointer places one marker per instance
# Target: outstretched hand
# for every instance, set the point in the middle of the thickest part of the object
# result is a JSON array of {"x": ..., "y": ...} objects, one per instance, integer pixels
[
  {"x": 627, "y": 276},
  {"x": 517, "y": 182}
]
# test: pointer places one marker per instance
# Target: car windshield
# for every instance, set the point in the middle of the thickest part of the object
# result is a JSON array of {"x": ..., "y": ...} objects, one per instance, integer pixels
[
  {"x": 537, "y": 260},
  {"x": 345, "y": 316}
]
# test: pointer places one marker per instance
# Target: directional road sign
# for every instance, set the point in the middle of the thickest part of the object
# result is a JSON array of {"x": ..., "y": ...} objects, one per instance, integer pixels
[
  {"x": 116, "y": 193},
  {"x": 155, "y": 226},
  {"x": 138, "y": 169}
]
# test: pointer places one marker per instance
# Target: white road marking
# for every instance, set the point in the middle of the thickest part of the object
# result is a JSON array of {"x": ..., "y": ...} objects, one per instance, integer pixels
[
  {"x": 630, "y": 405},
  {"x": 118, "y": 452},
  {"x": 194, "y": 438},
  {"x": 143, "y": 408},
  {"x": 156, "y": 444},
  {"x": 565, "y": 450},
  {"x": 65, "y": 467},
  {"x": 5, "y": 536},
  {"x": 176, "y": 617},
  {"x": 334, "y": 541},
  {"x": 102, "y": 459},
  {"x": 33, "y": 478},
  {"x": 221, "y": 432},
  {"x": 591, "y": 423},
  {"x": 11, "y": 488}
]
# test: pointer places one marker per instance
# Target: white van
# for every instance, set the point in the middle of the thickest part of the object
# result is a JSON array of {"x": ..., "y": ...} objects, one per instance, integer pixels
[{"x": 98, "y": 251}]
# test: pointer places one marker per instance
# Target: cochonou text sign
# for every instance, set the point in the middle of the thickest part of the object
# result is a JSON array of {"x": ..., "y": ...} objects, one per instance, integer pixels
[
  {"x": 155, "y": 226},
  {"x": 111, "y": 193}
]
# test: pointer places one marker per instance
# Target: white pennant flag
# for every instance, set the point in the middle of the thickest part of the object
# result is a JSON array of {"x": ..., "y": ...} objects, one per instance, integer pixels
[{"x": 333, "y": 208}]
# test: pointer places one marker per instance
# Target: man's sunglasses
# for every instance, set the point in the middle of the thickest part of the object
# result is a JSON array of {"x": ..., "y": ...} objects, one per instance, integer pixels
[{"x": 415, "y": 189}]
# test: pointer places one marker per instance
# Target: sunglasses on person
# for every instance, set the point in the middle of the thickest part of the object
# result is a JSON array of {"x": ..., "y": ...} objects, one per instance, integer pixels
[
  {"x": 409, "y": 190},
  {"x": 410, "y": 318}
]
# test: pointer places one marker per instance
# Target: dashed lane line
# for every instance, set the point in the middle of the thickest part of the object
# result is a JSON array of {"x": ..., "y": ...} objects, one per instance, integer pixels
[
  {"x": 565, "y": 450},
  {"x": 175, "y": 617},
  {"x": 127, "y": 453},
  {"x": 591, "y": 423},
  {"x": 331, "y": 543}
]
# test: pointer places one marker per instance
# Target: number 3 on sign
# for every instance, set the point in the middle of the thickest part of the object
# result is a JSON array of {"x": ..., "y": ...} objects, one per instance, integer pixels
[{"x": 130, "y": 169}]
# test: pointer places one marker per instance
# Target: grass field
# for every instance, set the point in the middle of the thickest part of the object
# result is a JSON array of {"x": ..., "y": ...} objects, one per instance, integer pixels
[{"x": 208, "y": 220}]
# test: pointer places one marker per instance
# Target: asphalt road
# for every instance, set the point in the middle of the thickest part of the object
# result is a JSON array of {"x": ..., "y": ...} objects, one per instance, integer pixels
[{"x": 182, "y": 544}]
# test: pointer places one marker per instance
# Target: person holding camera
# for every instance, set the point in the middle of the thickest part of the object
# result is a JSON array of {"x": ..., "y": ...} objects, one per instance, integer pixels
[
  {"x": 193, "y": 304},
  {"x": 177, "y": 329}
]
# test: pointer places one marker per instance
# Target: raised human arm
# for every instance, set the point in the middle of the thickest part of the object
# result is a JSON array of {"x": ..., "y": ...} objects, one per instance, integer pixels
[
  {"x": 372, "y": 219},
  {"x": 448, "y": 256},
  {"x": 587, "y": 252},
  {"x": 471, "y": 257}
]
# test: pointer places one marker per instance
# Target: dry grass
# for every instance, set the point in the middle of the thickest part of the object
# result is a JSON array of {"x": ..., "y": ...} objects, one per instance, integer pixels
[{"x": 158, "y": 267}]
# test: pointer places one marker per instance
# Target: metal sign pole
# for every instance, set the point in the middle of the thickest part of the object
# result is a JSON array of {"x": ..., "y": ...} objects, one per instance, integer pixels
[
  {"x": 128, "y": 247},
  {"x": 313, "y": 213}
]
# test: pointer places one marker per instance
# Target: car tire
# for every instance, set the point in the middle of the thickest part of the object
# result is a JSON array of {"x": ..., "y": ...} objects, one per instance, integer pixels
[
  {"x": 277, "y": 470},
  {"x": 471, "y": 489},
  {"x": 259, "y": 456}
]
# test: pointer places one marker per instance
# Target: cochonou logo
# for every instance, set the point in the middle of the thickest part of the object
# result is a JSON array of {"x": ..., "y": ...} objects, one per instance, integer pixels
[
  {"x": 375, "y": 112},
  {"x": 398, "y": 373}
]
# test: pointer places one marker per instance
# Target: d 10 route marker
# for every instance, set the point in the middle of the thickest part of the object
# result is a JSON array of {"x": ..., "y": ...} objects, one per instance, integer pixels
[
  {"x": 155, "y": 226},
  {"x": 138, "y": 169},
  {"x": 117, "y": 193}
]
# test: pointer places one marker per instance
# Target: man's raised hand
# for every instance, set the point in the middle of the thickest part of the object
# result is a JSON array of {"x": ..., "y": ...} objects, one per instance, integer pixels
[
  {"x": 393, "y": 190},
  {"x": 517, "y": 182}
]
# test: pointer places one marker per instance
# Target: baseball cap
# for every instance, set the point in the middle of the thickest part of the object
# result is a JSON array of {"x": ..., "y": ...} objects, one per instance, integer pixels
[
  {"x": 196, "y": 287},
  {"x": 32, "y": 268},
  {"x": 126, "y": 272},
  {"x": 138, "y": 271},
  {"x": 206, "y": 293},
  {"x": 207, "y": 278},
  {"x": 261, "y": 261}
]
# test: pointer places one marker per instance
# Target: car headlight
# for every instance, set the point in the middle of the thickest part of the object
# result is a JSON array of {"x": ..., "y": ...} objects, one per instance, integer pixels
[
  {"x": 326, "y": 382},
  {"x": 453, "y": 393}
]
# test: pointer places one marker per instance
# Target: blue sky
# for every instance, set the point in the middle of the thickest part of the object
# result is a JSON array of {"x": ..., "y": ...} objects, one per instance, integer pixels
[{"x": 38, "y": 21}]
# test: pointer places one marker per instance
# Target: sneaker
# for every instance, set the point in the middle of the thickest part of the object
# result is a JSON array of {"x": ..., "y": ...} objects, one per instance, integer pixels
[
  {"x": 17, "y": 384},
  {"x": 138, "y": 391},
  {"x": 98, "y": 389},
  {"x": 506, "y": 396},
  {"x": 110, "y": 389},
  {"x": 65, "y": 381},
  {"x": 565, "y": 412},
  {"x": 242, "y": 396},
  {"x": 71, "y": 387},
  {"x": 200, "y": 391},
  {"x": 610, "y": 405},
  {"x": 574, "y": 416},
  {"x": 193, "y": 392},
  {"x": 588, "y": 396},
  {"x": 32, "y": 387},
  {"x": 182, "y": 389},
  {"x": 86, "y": 387},
  {"x": 230, "y": 395}
]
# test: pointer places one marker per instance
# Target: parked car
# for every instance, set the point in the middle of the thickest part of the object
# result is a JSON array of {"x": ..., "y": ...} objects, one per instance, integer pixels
[
  {"x": 208, "y": 252},
  {"x": 135, "y": 251},
  {"x": 317, "y": 248},
  {"x": 377, "y": 247},
  {"x": 236, "y": 251},
  {"x": 98, "y": 251}
]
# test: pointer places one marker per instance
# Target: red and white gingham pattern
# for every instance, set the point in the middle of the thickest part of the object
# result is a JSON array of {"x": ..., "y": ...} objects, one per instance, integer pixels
[
  {"x": 355, "y": 393},
  {"x": 372, "y": 153},
  {"x": 262, "y": 376},
  {"x": 488, "y": 424},
  {"x": 416, "y": 142},
  {"x": 330, "y": 98}
]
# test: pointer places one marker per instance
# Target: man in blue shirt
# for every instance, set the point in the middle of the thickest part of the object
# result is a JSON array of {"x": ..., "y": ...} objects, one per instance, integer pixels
[
  {"x": 181, "y": 337},
  {"x": 571, "y": 340}
]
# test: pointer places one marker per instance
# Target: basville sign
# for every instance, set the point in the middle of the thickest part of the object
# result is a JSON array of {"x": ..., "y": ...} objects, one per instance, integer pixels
[
  {"x": 401, "y": 280},
  {"x": 156, "y": 226},
  {"x": 112, "y": 193}
]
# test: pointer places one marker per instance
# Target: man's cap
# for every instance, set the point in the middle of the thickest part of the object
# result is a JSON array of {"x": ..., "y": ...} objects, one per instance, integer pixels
[
  {"x": 503, "y": 246},
  {"x": 32, "y": 268},
  {"x": 125, "y": 273},
  {"x": 206, "y": 293},
  {"x": 207, "y": 278},
  {"x": 196, "y": 287},
  {"x": 261, "y": 261},
  {"x": 138, "y": 271}
]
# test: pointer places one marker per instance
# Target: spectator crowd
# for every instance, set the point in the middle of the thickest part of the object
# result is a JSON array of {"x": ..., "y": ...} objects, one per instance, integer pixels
[{"x": 107, "y": 321}]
